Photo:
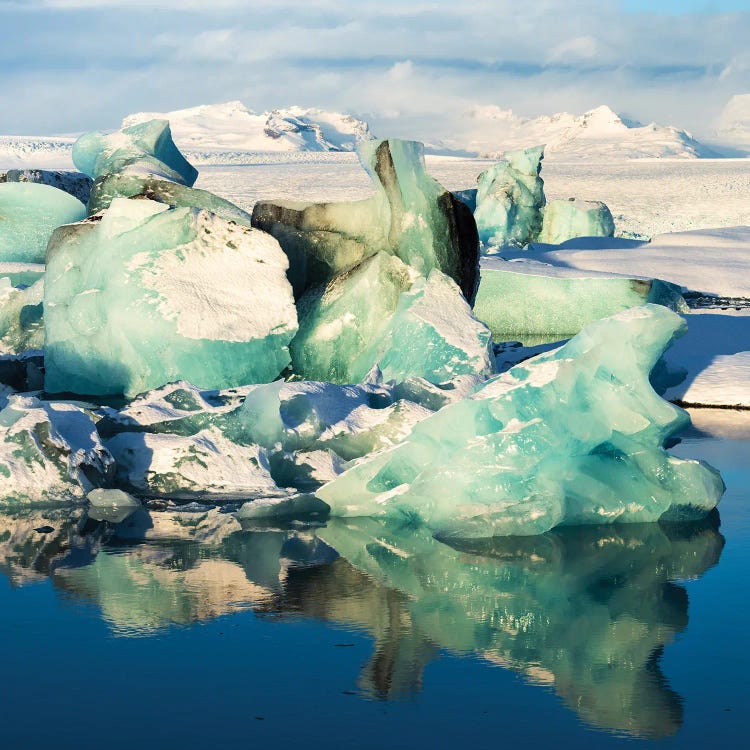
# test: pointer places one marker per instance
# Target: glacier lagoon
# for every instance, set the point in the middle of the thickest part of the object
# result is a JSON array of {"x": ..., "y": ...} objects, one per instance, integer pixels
[
  {"x": 191, "y": 445},
  {"x": 214, "y": 632}
]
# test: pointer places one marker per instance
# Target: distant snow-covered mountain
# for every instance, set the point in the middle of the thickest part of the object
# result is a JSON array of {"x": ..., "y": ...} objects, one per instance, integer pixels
[
  {"x": 233, "y": 127},
  {"x": 231, "y": 133},
  {"x": 599, "y": 133}
]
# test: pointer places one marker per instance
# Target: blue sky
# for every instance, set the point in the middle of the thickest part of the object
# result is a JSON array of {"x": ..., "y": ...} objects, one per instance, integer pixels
[{"x": 415, "y": 69}]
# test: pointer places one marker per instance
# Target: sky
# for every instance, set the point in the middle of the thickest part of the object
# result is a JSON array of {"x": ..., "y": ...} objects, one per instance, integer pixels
[{"x": 412, "y": 69}]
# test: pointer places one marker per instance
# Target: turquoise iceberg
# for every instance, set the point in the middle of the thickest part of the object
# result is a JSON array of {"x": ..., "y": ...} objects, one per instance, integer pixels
[
  {"x": 410, "y": 216},
  {"x": 146, "y": 294},
  {"x": 510, "y": 199},
  {"x": 144, "y": 149},
  {"x": 524, "y": 299},
  {"x": 29, "y": 213},
  {"x": 571, "y": 437},
  {"x": 565, "y": 220}
]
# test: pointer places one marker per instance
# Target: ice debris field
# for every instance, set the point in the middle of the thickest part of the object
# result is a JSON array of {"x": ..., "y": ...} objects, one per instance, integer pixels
[{"x": 479, "y": 362}]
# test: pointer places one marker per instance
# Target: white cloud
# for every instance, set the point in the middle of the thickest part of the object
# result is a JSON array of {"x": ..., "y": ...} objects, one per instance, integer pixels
[{"x": 418, "y": 68}]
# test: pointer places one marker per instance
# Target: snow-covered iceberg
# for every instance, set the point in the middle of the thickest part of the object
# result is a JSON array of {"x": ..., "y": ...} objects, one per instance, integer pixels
[
  {"x": 112, "y": 186},
  {"x": 144, "y": 294},
  {"x": 510, "y": 199},
  {"x": 49, "y": 452},
  {"x": 522, "y": 299},
  {"x": 410, "y": 216},
  {"x": 29, "y": 213},
  {"x": 571, "y": 437},
  {"x": 143, "y": 149},
  {"x": 74, "y": 183},
  {"x": 567, "y": 219}
]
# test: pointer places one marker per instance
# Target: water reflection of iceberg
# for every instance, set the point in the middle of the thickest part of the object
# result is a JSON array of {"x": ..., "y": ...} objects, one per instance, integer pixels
[{"x": 586, "y": 612}]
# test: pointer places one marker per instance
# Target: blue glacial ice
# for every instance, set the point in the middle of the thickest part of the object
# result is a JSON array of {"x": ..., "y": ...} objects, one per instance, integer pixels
[
  {"x": 144, "y": 149},
  {"x": 410, "y": 216},
  {"x": 510, "y": 199},
  {"x": 571, "y": 437},
  {"x": 49, "y": 452},
  {"x": 527, "y": 298},
  {"x": 29, "y": 213},
  {"x": 567, "y": 219},
  {"x": 145, "y": 294},
  {"x": 21, "y": 317},
  {"x": 383, "y": 313}
]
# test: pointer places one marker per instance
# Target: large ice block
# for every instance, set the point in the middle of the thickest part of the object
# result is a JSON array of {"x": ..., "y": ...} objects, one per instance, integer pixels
[
  {"x": 29, "y": 213},
  {"x": 571, "y": 437},
  {"x": 111, "y": 186},
  {"x": 510, "y": 199},
  {"x": 566, "y": 219},
  {"x": 49, "y": 452},
  {"x": 339, "y": 321},
  {"x": 144, "y": 149},
  {"x": 145, "y": 294},
  {"x": 411, "y": 216},
  {"x": 432, "y": 335},
  {"x": 21, "y": 317},
  {"x": 383, "y": 313},
  {"x": 522, "y": 299}
]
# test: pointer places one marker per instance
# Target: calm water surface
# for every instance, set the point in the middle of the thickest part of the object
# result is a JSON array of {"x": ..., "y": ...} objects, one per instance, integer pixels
[{"x": 183, "y": 630}]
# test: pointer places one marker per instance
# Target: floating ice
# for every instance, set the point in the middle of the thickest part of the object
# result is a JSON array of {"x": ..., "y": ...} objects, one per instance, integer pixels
[
  {"x": 510, "y": 199},
  {"x": 411, "y": 216},
  {"x": 526, "y": 298},
  {"x": 29, "y": 213},
  {"x": 571, "y": 437},
  {"x": 564, "y": 220},
  {"x": 49, "y": 452},
  {"x": 144, "y": 294},
  {"x": 21, "y": 317},
  {"x": 111, "y": 505},
  {"x": 432, "y": 335},
  {"x": 339, "y": 321},
  {"x": 204, "y": 465},
  {"x": 144, "y": 149}
]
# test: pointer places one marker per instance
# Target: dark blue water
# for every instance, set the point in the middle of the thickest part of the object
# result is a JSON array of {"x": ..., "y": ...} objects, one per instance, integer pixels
[{"x": 186, "y": 631}]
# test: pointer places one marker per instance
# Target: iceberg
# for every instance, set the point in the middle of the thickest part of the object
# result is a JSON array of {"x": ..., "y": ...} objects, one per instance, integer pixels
[
  {"x": 49, "y": 452},
  {"x": 113, "y": 506},
  {"x": 203, "y": 466},
  {"x": 143, "y": 149},
  {"x": 109, "y": 187},
  {"x": 433, "y": 335},
  {"x": 74, "y": 183},
  {"x": 410, "y": 216},
  {"x": 21, "y": 317},
  {"x": 338, "y": 322},
  {"x": 564, "y": 300},
  {"x": 144, "y": 294},
  {"x": 29, "y": 213},
  {"x": 383, "y": 313},
  {"x": 574, "y": 436},
  {"x": 567, "y": 219},
  {"x": 510, "y": 199}
]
